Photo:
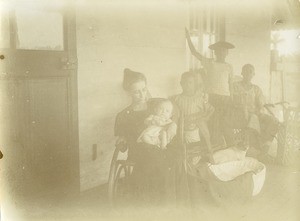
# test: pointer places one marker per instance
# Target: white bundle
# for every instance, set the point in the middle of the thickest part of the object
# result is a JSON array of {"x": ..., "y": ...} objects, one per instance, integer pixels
[
  {"x": 229, "y": 154},
  {"x": 230, "y": 170}
]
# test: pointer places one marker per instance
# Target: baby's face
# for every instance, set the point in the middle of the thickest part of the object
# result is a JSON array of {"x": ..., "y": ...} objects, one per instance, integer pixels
[{"x": 164, "y": 110}]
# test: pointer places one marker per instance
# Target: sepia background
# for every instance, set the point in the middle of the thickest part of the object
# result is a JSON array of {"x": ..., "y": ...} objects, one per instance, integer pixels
[{"x": 61, "y": 87}]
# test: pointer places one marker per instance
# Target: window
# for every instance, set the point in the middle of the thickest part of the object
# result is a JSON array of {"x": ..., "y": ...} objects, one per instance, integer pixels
[
  {"x": 287, "y": 42},
  {"x": 205, "y": 22},
  {"x": 4, "y": 28},
  {"x": 39, "y": 29}
]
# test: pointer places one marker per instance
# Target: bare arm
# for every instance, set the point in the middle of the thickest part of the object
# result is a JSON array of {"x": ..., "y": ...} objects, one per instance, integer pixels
[{"x": 192, "y": 47}]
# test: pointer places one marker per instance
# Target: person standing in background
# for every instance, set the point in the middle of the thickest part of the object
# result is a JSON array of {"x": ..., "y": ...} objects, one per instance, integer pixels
[
  {"x": 248, "y": 103},
  {"x": 218, "y": 80}
]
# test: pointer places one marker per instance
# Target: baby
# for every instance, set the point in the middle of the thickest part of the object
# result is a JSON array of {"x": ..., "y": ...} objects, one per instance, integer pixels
[{"x": 160, "y": 128}]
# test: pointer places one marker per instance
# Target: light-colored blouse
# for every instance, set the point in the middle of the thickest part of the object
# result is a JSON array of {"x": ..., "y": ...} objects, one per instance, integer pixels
[{"x": 218, "y": 77}]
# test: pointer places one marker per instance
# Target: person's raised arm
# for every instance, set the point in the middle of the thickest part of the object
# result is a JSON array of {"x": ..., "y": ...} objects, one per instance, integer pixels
[{"x": 192, "y": 47}]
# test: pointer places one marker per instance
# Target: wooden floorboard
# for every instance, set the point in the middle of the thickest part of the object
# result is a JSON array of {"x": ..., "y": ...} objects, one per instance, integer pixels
[{"x": 279, "y": 200}]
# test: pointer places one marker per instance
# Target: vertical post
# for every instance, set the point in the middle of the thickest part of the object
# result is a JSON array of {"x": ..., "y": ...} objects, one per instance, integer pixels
[
  {"x": 191, "y": 17},
  {"x": 208, "y": 18},
  {"x": 201, "y": 30},
  {"x": 282, "y": 83},
  {"x": 13, "y": 29},
  {"x": 70, "y": 47},
  {"x": 222, "y": 27}
]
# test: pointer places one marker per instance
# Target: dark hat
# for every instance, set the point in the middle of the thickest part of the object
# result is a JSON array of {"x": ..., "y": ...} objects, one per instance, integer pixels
[
  {"x": 221, "y": 44},
  {"x": 131, "y": 77}
]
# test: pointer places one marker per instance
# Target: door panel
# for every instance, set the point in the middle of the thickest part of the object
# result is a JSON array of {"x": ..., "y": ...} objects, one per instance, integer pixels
[
  {"x": 30, "y": 63},
  {"x": 41, "y": 95},
  {"x": 48, "y": 101}
]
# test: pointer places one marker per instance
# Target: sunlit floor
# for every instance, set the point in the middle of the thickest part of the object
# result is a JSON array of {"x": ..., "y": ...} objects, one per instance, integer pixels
[{"x": 279, "y": 200}]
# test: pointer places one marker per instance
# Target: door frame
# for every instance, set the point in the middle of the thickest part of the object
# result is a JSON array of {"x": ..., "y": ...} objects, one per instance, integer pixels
[{"x": 69, "y": 64}]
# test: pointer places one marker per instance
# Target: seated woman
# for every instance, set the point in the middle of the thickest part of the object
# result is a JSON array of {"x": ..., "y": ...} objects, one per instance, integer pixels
[
  {"x": 248, "y": 106},
  {"x": 151, "y": 164},
  {"x": 129, "y": 122}
]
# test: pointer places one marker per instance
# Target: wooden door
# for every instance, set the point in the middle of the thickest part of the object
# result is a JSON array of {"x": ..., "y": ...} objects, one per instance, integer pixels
[{"x": 39, "y": 101}]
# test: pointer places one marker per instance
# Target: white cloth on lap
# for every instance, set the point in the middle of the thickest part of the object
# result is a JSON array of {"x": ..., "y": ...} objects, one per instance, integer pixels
[
  {"x": 152, "y": 132},
  {"x": 228, "y": 154}
]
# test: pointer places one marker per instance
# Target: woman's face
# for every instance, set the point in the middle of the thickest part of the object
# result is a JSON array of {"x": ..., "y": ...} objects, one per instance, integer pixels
[{"x": 138, "y": 91}]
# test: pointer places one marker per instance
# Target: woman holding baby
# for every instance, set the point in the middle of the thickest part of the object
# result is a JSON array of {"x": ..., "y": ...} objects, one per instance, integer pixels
[{"x": 147, "y": 128}]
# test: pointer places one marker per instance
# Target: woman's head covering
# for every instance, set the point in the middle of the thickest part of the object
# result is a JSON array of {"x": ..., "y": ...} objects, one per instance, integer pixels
[
  {"x": 131, "y": 77},
  {"x": 221, "y": 44}
]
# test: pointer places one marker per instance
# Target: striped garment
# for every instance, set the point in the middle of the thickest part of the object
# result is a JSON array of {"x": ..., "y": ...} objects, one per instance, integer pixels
[{"x": 191, "y": 104}]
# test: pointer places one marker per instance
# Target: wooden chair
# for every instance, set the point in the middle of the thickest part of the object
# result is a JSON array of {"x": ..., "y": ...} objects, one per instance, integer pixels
[{"x": 118, "y": 181}]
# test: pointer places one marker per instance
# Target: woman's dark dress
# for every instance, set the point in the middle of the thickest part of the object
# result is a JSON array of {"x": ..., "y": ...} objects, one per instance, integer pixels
[
  {"x": 152, "y": 165},
  {"x": 130, "y": 124}
]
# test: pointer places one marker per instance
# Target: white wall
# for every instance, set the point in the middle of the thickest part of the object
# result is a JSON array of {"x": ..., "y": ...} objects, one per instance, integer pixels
[
  {"x": 248, "y": 27},
  {"x": 110, "y": 37},
  {"x": 148, "y": 38}
]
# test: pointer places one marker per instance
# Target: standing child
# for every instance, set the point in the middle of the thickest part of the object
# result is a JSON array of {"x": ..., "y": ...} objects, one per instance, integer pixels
[{"x": 194, "y": 106}]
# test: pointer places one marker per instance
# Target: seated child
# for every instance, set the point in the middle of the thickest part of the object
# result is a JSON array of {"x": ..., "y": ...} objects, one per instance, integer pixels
[{"x": 160, "y": 127}]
